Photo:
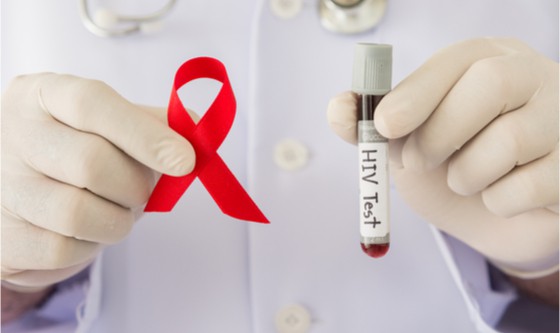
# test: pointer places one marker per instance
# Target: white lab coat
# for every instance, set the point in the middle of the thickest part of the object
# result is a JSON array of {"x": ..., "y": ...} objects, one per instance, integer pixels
[{"x": 196, "y": 270}]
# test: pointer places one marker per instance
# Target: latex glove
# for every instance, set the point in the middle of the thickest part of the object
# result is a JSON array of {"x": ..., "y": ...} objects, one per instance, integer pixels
[
  {"x": 474, "y": 148},
  {"x": 78, "y": 164}
]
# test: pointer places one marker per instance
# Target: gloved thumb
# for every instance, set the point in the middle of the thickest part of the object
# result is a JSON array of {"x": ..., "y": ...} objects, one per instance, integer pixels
[
  {"x": 94, "y": 107},
  {"x": 342, "y": 116}
]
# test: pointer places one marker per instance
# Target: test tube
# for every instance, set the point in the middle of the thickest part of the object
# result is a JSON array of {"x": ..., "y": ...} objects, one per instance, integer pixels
[{"x": 371, "y": 81}]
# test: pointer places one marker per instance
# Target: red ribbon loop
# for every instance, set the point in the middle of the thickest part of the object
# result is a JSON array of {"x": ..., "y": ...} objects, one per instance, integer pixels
[{"x": 205, "y": 137}]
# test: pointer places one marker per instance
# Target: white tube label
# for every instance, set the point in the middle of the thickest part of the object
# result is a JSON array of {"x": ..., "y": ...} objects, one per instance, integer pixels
[{"x": 374, "y": 184}]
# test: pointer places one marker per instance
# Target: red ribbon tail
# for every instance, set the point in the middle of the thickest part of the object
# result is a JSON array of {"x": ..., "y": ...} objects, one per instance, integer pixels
[
  {"x": 167, "y": 192},
  {"x": 228, "y": 193}
]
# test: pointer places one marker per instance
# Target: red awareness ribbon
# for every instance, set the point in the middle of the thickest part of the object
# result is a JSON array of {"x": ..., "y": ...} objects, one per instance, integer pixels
[{"x": 205, "y": 137}]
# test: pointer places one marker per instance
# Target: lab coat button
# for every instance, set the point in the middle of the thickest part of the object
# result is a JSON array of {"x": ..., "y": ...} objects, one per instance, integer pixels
[
  {"x": 286, "y": 9},
  {"x": 290, "y": 155},
  {"x": 293, "y": 319}
]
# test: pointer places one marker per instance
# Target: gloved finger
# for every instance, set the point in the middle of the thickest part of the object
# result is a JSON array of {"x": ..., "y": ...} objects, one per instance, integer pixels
[
  {"x": 554, "y": 208},
  {"x": 467, "y": 218},
  {"x": 534, "y": 185},
  {"x": 86, "y": 161},
  {"x": 63, "y": 209},
  {"x": 32, "y": 247},
  {"x": 513, "y": 139},
  {"x": 413, "y": 100},
  {"x": 94, "y": 107},
  {"x": 342, "y": 116},
  {"x": 28, "y": 280},
  {"x": 161, "y": 113},
  {"x": 395, "y": 152},
  {"x": 490, "y": 87}
]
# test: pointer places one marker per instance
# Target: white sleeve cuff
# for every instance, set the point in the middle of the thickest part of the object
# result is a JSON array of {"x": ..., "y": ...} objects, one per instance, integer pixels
[
  {"x": 58, "y": 313},
  {"x": 486, "y": 292},
  {"x": 73, "y": 307}
]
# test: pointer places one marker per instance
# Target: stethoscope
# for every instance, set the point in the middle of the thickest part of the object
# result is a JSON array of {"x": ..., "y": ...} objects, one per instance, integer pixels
[
  {"x": 341, "y": 16},
  {"x": 107, "y": 23}
]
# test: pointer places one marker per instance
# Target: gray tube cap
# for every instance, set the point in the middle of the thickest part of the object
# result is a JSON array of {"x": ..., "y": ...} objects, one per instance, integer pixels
[{"x": 372, "y": 69}]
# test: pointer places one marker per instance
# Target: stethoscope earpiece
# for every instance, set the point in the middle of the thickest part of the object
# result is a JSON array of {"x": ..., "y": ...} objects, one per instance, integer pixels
[
  {"x": 107, "y": 23},
  {"x": 351, "y": 16},
  {"x": 105, "y": 18}
]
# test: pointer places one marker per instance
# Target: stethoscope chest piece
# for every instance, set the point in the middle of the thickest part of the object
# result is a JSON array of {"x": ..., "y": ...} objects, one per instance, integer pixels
[{"x": 351, "y": 16}]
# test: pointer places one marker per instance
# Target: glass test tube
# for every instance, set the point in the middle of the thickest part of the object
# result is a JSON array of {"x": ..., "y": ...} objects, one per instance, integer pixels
[{"x": 371, "y": 81}]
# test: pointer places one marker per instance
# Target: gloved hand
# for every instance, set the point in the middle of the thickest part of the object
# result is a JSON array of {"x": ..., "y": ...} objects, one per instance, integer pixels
[
  {"x": 78, "y": 164},
  {"x": 474, "y": 148}
]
